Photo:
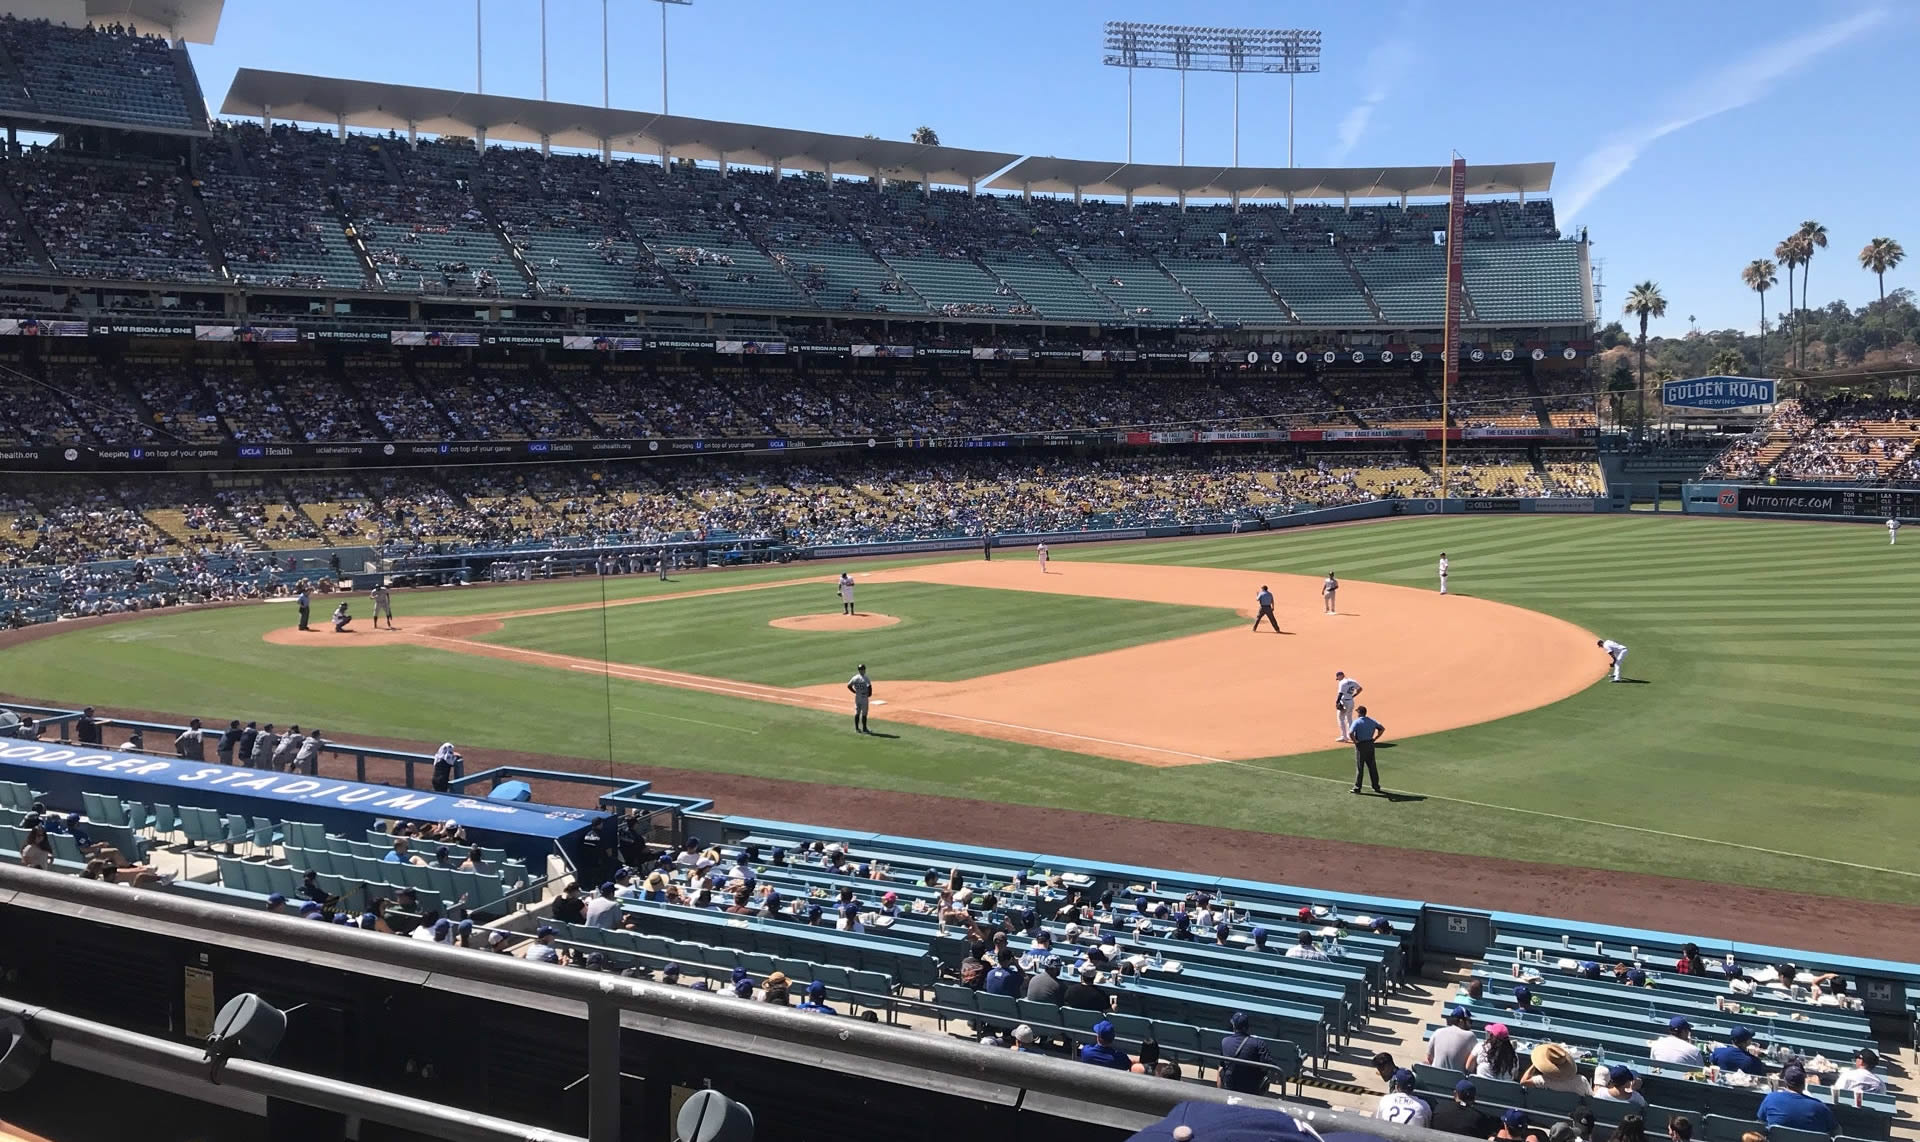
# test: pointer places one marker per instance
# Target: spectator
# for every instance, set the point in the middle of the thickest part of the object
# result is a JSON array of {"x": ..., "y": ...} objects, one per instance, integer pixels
[
  {"x": 1793, "y": 1107},
  {"x": 228, "y": 741},
  {"x": 37, "y": 852},
  {"x": 86, "y": 729},
  {"x": 1243, "y": 1056},
  {"x": 1620, "y": 1084},
  {"x": 1025, "y": 1041},
  {"x": 1102, "y": 1051},
  {"x": 276, "y": 903},
  {"x": 1462, "y": 1116},
  {"x": 1861, "y": 1075},
  {"x": 1680, "y": 1129},
  {"x": 543, "y": 949},
  {"x": 1384, "y": 1066},
  {"x": 1452, "y": 1042},
  {"x": 1577, "y": 1128},
  {"x": 604, "y": 910},
  {"x": 1553, "y": 1068},
  {"x": 816, "y": 1001},
  {"x": 1513, "y": 1126},
  {"x": 1690, "y": 961},
  {"x": 1400, "y": 1104},
  {"x": 1084, "y": 995},
  {"x": 191, "y": 742},
  {"x": 568, "y": 908},
  {"x": 1495, "y": 1057},
  {"x": 1676, "y": 1046},
  {"x": 400, "y": 853},
  {"x": 1005, "y": 978},
  {"x": 138, "y": 875},
  {"x": 1303, "y": 948},
  {"x": 1737, "y": 1054},
  {"x": 776, "y": 989}
]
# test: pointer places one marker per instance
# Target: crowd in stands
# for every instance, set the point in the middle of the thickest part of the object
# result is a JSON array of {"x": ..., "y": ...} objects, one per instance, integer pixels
[
  {"x": 237, "y": 399},
  {"x": 1847, "y": 438}
]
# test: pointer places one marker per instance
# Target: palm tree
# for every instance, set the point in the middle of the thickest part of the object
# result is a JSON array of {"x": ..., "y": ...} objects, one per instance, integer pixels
[
  {"x": 1761, "y": 276},
  {"x": 1788, "y": 253},
  {"x": 926, "y": 136},
  {"x": 1727, "y": 362},
  {"x": 1645, "y": 301},
  {"x": 1879, "y": 256},
  {"x": 1812, "y": 236}
]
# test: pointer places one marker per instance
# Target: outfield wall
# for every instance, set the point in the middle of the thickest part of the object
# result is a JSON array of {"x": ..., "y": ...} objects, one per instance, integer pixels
[{"x": 1812, "y": 501}]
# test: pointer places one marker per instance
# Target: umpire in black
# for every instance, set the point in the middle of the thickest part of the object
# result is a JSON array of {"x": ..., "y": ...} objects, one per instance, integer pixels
[{"x": 1365, "y": 734}]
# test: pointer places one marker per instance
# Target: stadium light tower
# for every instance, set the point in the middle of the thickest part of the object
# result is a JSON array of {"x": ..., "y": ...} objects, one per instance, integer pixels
[
  {"x": 1271, "y": 51},
  {"x": 663, "y": 48}
]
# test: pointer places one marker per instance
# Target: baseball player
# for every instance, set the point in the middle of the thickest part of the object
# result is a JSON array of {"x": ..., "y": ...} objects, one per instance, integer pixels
[
  {"x": 1265, "y": 599},
  {"x": 382, "y": 605},
  {"x": 1893, "y": 530},
  {"x": 341, "y": 619},
  {"x": 1346, "y": 691},
  {"x": 1443, "y": 572},
  {"x": 1616, "y": 653},
  {"x": 1328, "y": 590},
  {"x": 846, "y": 593},
  {"x": 1041, "y": 551},
  {"x": 861, "y": 687}
]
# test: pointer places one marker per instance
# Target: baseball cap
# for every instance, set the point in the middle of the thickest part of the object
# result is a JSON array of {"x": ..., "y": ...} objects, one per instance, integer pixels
[
  {"x": 1259, "y": 935},
  {"x": 543, "y": 930},
  {"x": 441, "y": 927},
  {"x": 1619, "y": 1076},
  {"x": 816, "y": 990},
  {"x": 1403, "y": 1079},
  {"x": 1679, "y": 1023},
  {"x": 309, "y": 908},
  {"x": 1465, "y": 1089},
  {"x": 496, "y": 937},
  {"x": 1103, "y": 1030},
  {"x": 1023, "y": 1034},
  {"x": 1494, "y": 1029},
  {"x": 606, "y": 887},
  {"x": 1739, "y": 1034},
  {"x": 1793, "y": 1074},
  {"x": 742, "y": 988},
  {"x": 1458, "y": 1012},
  {"x": 670, "y": 970},
  {"x": 1237, "y": 1021},
  {"x": 1636, "y": 976},
  {"x": 276, "y": 898},
  {"x": 1514, "y": 1118},
  {"x": 368, "y": 920}
]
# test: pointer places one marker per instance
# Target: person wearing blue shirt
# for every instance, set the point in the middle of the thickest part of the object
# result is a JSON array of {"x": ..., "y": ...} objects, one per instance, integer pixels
[
  {"x": 1735, "y": 1056},
  {"x": 1365, "y": 733},
  {"x": 1101, "y": 1052},
  {"x": 1793, "y": 1107},
  {"x": 816, "y": 1000},
  {"x": 1005, "y": 979}
]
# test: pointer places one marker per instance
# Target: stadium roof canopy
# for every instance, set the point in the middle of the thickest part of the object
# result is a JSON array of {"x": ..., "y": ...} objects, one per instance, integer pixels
[
  {"x": 396, "y": 107},
  {"x": 194, "y": 21},
  {"x": 1066, "y": 176}
]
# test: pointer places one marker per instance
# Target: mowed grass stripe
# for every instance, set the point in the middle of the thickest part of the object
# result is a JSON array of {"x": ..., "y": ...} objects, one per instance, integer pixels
[
  {"x": 945, "y": 633},
  {"x": 1763, "y": 723}
]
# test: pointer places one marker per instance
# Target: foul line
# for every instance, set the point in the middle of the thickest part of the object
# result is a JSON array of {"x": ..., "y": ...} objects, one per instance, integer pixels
[
  {"x": 774, "y": 694},
  {"x": 1429, "y": 796}
]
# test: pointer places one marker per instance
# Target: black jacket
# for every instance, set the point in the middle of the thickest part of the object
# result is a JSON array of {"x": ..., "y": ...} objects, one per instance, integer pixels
[
  {"x": 86, "y": 731},
  {"x": 1451, "y": 1117},
  {"x": 1086, "y": 997}
]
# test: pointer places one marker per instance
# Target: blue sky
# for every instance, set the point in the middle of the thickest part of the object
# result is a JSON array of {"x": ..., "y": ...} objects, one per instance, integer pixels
[{"x": 1690, "y": 136}]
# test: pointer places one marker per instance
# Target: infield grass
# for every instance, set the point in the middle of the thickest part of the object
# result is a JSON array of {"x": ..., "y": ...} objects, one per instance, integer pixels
[
  {"x": 945, "y": 633},
  {"x": 1770, "y": 744}
]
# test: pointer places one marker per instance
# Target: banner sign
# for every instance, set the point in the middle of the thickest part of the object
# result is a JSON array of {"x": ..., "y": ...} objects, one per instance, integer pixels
[
  {"x": 824, "y": 350},
  {"x": 1717, "y": 393},
  {"x": 64, "y": 770},
  {"x": 143, "y": 328},
  {"x": 864, "y": 350},
  {"x": 433, "y": 338},
  {"x": 982, "y": 353},
  {"x": 751, "y": 348},
  {"x": 942, "y": 351},
  {"x": 1858, "y": 503},
  {"x": 533, "y": 339},
  {"x": 1478, "y": 505},
  {"x": 246, "y": 334},
  {"x": 1374, "y": 434},
  {"x": 34, "y": 327}
]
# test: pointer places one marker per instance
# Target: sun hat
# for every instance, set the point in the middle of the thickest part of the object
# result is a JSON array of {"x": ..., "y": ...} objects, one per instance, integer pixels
[{"x": 1552, "y": 1060}]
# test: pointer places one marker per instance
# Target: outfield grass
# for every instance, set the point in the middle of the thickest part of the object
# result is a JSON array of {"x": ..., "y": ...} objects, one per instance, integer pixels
[
  {"x": 1781, "y": 663},
  {"x": 945, "y": 634}
]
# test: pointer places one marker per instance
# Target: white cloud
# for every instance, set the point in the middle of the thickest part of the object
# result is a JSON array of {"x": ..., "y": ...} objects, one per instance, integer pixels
[
  {"x": 1386, "y": 63},
  {"x": 1736, "y": 85}
]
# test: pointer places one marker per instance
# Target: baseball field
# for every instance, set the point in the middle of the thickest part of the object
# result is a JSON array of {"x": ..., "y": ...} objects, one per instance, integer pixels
[{"x": 1764, "y": 741}]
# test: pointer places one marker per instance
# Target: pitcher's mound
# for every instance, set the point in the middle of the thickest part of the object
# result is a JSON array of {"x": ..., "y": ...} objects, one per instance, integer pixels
[{"x": 865, "y": 620}]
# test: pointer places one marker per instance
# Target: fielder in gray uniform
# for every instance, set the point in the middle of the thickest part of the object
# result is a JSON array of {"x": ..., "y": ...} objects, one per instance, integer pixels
[{"x": 861, "y": 687}]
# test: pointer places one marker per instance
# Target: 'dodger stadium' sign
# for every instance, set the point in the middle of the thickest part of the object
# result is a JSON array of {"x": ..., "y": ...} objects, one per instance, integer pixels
[{"x": 1717, "y": 393}]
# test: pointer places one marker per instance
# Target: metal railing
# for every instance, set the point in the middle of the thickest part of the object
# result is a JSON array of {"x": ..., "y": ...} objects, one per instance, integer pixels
[
  {"x": 607, "y": 996},
  {"x": 189, "y": 1065}
]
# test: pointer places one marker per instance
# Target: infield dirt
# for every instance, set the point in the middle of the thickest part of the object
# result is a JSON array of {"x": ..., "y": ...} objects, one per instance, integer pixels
[{"x": 1426, "y": 663}]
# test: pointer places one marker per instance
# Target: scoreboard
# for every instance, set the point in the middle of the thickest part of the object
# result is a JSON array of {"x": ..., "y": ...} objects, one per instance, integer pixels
[{"x": 1862, "y": 503}]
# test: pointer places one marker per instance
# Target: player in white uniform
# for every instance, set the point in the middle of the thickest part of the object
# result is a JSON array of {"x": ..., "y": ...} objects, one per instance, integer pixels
[
  {"x": 1041, "y": 551},
  {"x": 382, "y": 605},
  {"x": 1328, "y": 589},
  {"x": 1400, "y": 1104},
  {"x": 861, "y": 687},
  {"x": 1893, "y": 530},
  {"x": 846, "y": 593},
  {"x": 1617, "y": 652},
  {"x": 1443, "y": 572},
  {"x": 1346, "y": 692}
]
